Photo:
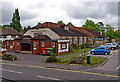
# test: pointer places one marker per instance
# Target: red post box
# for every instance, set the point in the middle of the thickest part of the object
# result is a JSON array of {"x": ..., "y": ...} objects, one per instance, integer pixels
[{"x": 43, "y": 50}]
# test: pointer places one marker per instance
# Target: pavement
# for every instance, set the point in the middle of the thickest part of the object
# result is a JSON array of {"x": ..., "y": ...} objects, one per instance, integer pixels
[{"x": 32, "y": 67}]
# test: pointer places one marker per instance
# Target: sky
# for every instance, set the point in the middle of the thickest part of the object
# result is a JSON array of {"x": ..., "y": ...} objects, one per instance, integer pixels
[{"x": 75, "y": 11}]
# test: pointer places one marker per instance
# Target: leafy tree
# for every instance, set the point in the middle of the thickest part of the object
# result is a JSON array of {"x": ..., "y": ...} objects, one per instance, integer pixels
[
  {"x": 16, "y": 21},
  {"x": 60, "y": 22},
  {"x": 89, "y": 24},
  {"x": 70, "y": 24},
  {"x": 39, "y": 23}
]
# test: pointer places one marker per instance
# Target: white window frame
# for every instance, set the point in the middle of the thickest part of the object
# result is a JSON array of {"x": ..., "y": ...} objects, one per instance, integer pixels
[
  {"x": 80, "y": 40},
  {"x": 53, "y": 44},
  {"x": 43, "y": 45}
]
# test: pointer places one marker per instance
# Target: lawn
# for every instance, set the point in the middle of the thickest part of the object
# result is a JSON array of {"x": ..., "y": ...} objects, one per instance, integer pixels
[
  {"x": 94, "y": 61},
  {"x": 77, "y": 51}
]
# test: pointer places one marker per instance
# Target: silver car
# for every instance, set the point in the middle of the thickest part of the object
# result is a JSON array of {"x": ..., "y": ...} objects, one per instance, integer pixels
[
  {"x": 2, "y": 49},
  {"x": 111, "y": 46}
]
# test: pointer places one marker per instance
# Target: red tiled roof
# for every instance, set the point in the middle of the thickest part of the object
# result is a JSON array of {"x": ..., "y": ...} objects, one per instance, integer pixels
[
  {"x": 9, "y": 31},
  {"x": 73, "y": 31}
]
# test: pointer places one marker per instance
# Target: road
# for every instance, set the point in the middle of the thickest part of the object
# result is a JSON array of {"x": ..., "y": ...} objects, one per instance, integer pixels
[{"x": 27, "y": 71}]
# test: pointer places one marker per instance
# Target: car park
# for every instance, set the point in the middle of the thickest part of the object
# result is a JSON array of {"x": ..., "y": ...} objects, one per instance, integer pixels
[
  {"x": 101, "y": 50},
  {"x": 112, "y": 46}
]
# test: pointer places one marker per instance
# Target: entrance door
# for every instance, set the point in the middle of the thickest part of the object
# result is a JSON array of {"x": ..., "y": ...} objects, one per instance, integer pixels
[{"x": 25, "y": 47}]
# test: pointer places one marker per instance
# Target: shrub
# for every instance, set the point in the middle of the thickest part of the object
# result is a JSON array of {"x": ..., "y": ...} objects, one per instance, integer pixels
[
  {"x": 3, "y": 52},
  {"x": 52, "y": 58},
  {"x": 15, "y": 57},
  {"x": 39, "y": 52}
]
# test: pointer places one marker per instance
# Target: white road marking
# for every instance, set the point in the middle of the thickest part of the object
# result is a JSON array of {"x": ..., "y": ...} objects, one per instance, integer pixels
[
  {"x": 12, "y": 71},
  {"x": 118, "y": 67},
  {"x": 47, "y": 77}
]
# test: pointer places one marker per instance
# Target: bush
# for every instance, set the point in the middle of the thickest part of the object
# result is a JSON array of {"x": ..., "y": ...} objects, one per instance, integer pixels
[
  {"x": 3, "y": 52},
  {"x": 39, "y": 52},
  {"x": 9, "y": 56},
  {"x": 52, "y": 58},
  {"x": 15, "y": 57}
]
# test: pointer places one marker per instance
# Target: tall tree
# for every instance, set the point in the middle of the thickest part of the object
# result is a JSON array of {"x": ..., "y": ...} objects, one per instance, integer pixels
[
  {"x": 16, "y": 21},
  {"x": 70, "y": 24}
]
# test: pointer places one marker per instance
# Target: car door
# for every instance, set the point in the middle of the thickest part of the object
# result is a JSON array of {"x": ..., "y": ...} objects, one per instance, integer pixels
[
  {"x": 97, "y": 50},
  {"x": 102, "y": 50}
]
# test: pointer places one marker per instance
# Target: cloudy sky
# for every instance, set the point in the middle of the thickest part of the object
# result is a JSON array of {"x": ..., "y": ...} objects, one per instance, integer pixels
[{"x": 75, "y": 11}]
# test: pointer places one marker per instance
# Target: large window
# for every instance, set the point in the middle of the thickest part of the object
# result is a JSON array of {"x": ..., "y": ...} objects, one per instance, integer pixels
[
  {"x": 53, "y": 44},
  {"x": 76, "y": 40},
  {"x": 81, "y": 40},
  {"x": 43, "y": 44},
  {"x": 63, "y": 45},
  {"x": 70, "y": 41}
]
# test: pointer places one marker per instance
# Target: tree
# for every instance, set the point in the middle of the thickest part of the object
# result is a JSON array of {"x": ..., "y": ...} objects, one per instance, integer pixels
[
  {"x": 39, "y": 23},
  {"x": 60, "y": 22},
  {"x": 0, "y": 26},
  {"x": 70, "y": 24},
  {"x": 89, "y": 24},
  {"x": 16, "y": 21}
]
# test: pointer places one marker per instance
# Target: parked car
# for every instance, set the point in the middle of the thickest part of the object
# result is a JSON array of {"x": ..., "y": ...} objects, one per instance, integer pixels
[
  {"x": 101, "y": 50},
  {"x": 117, "y": 44},
  {"x": 112, "y": 46},
  {"x": 2, "y": 49}
]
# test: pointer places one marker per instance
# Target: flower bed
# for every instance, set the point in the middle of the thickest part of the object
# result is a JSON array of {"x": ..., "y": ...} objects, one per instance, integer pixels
[{"x": 9, "y": 57}]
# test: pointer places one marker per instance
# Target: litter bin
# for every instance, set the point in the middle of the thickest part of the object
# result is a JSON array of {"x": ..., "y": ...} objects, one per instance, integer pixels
[
  {"x": 88, "y": 60},
  {"x": 43, "y": 51},
  {"x": 50, "y": 51},
  {"x": 35, "y": 51}
]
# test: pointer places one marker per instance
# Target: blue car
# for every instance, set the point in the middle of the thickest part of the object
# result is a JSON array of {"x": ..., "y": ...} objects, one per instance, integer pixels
[{"x": 101, "y": 50}]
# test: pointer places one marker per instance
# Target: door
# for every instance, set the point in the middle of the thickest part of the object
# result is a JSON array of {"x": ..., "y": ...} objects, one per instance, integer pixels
[{"x": 99, "y": 50}]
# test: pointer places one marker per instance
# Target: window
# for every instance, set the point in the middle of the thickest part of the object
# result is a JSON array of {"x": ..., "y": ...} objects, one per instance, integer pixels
[
  {"x": 80, "y": 40},
  {"x": 7, "y": 42},
  {"x": 13, "y": 43},
  {"x": 18, "y": 43},
  {"x": 66, "y": 28},
  {"x": 63, "y": 45},
  {"x": 84, "y": 39},
  {"x": 63, "y": 38},
  {"x": 43, "y": 44},
  {"x": 76, "y": 40},
  {"x": 70, "y": 41},
  {"x": 36, "y": 34},
  {"x": 53, "y": 44},
  {"x": 4, "y": 36},
  {"x": 34, "y": 43}
]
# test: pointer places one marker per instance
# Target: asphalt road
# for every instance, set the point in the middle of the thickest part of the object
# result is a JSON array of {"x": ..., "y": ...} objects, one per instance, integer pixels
[{"x": 18, "y": 71}]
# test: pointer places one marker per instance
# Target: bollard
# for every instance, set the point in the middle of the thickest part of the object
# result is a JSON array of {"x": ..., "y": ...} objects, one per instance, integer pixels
[{"x": 88, "y": 60}]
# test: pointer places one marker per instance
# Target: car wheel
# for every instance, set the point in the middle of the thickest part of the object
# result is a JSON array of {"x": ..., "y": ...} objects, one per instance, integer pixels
[
  {"x": 92, "y": 53},
  {"x": 112, "y": 48},
  {"x": 106, "y": 53}
]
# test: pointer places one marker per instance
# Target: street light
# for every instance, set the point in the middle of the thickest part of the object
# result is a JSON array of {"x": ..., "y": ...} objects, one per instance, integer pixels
[{"x": 103, "y": 29}]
